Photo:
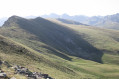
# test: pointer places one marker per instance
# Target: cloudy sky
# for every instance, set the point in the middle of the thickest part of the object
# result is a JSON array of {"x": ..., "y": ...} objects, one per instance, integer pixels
[{"x": 71, "y": 7}]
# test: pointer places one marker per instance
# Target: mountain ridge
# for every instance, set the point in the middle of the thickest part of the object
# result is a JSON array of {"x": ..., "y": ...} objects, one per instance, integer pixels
[
  {"x": 108, "y": 21},
  {"x": 61, "y": 38},
  {"x": 73, "y": 51}
]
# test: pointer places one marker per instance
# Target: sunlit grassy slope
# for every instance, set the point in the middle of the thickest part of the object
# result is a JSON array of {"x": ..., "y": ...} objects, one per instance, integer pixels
[
  {"x": 58, "y": 39},
  {"x": 105, "y": 40},
  {"x": 27, "y": 50},
  {"x": 18, "y": 54}
]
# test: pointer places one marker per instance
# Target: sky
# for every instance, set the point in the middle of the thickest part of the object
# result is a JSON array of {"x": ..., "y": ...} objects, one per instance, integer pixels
[{"x": 71, "y": 7}]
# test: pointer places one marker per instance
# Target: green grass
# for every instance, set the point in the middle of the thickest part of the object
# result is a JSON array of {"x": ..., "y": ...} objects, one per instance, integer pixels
[
  {"x": 35, "y": 61},
  {"x": 104, "y": 39},
  {"x": 63, "y": 69},
  {"x": 20, "y": 47},
  {"x": 51, "y": 37}
]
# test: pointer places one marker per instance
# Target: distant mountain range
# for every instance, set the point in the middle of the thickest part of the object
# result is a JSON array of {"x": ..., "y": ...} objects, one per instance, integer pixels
[
  {"x": 109, "y": 21},
  {"x": 2, "y": 20}
]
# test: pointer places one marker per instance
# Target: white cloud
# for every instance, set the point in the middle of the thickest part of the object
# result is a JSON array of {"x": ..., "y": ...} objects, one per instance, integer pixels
[{"x": 72, "y": 7}]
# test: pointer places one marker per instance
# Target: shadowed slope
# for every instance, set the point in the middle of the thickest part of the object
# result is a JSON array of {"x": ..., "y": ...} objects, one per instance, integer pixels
[
  {"x": 17, "y": 54},
  {"x": 52, "y": 59},
  {"x": 57, "y": 36}
]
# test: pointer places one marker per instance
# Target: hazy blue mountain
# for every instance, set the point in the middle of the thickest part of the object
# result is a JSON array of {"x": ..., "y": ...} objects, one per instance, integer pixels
[
  {"x": 52, "y": 15},
  {"x": 2, "y": 20},
  {"x": 109, "y": 21},
  {"x": 79, "y": 18},
  {"x": 70, "y": 21}
]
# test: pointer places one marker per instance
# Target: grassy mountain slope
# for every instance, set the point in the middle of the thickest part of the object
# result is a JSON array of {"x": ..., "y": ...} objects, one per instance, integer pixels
[
  {"x": 54, "y": 37},
  {"x": 16, "y": 53},
  {"x": 19, "y": 54},
  {"x": 104, "y": 40},
  {"x": 55, "y": 59}
]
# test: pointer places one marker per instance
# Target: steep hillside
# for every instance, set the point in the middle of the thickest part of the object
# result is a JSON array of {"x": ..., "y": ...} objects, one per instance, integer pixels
[
  {"x": 18, "y": 54},
  {"x": 104, "y": 40},
  {"x": 42, "y": 45},
  {"x": 55, "y": 36}
]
